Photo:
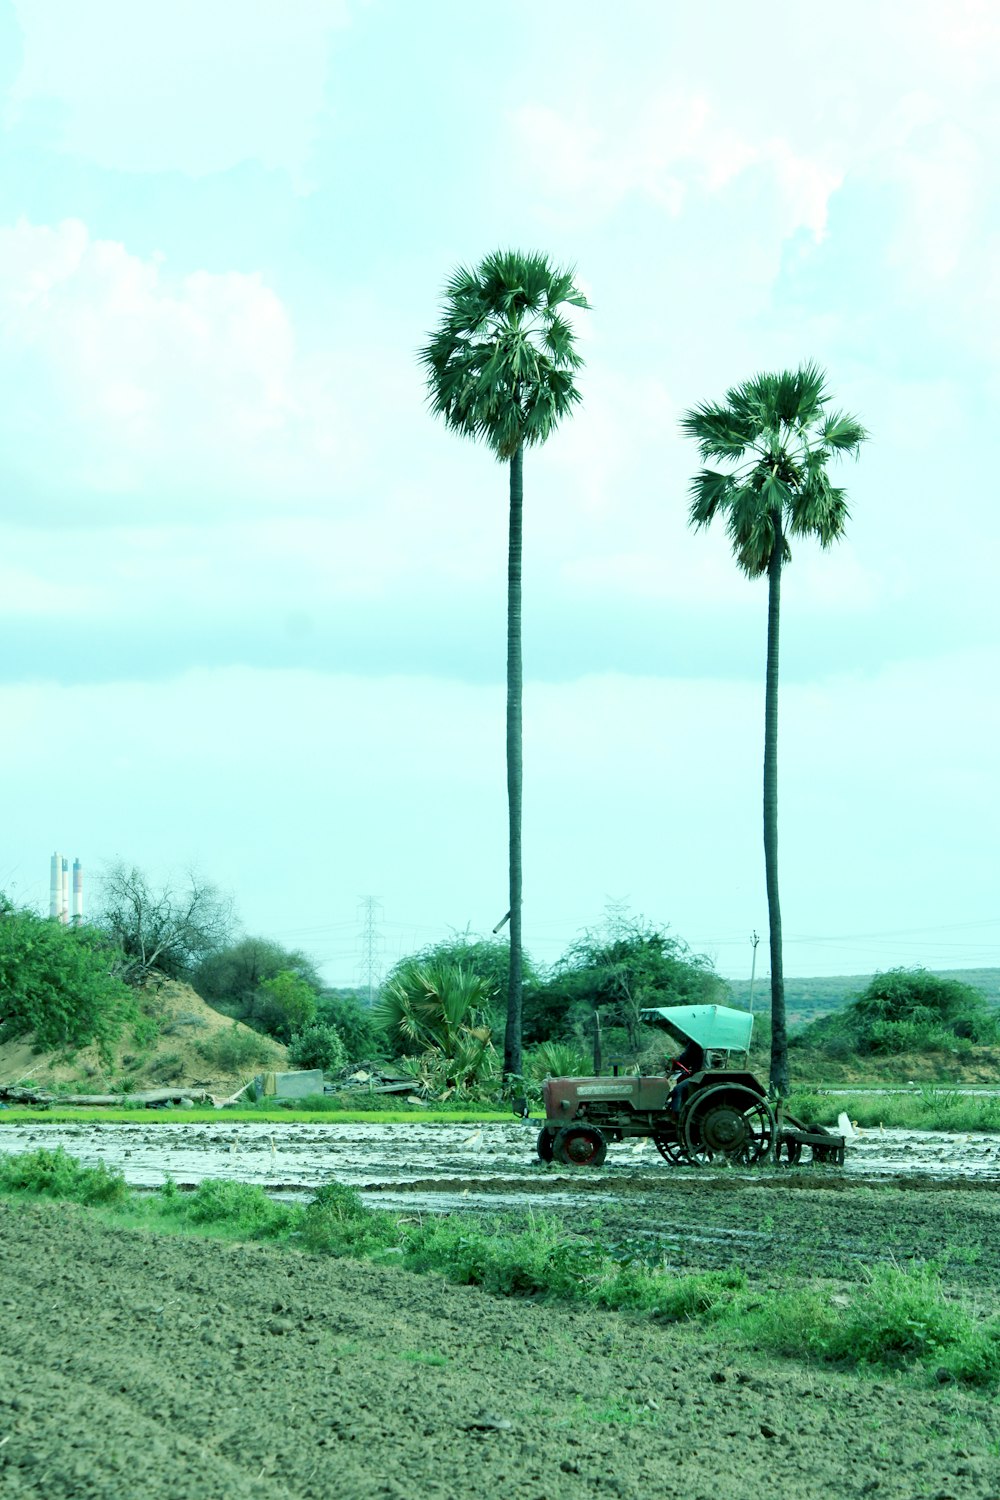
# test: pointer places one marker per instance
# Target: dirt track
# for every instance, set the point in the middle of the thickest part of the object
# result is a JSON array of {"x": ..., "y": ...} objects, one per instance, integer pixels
[{"x": 134, "y": 1365}]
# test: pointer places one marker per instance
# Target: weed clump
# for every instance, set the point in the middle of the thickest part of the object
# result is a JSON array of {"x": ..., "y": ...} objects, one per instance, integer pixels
[
  {"x": 239, "y": 1207},
  {"x": 336, "y": 1222},
  {"x": 56, "y": 1174}
]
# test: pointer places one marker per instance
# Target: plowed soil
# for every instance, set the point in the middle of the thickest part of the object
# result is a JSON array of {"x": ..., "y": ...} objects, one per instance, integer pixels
[{"x": 134, "y": 1365}]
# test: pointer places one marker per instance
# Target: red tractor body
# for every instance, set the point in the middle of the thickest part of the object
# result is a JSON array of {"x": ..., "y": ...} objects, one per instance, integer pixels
[{"x": 719, "y": 1112}]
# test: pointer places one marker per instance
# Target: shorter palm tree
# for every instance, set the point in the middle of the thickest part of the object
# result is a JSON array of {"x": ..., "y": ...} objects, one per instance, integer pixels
[{"x": 776, "y": 437}]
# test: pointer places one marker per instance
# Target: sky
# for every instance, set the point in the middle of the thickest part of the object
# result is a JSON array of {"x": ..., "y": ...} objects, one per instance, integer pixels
[{"x": 252, "y": 595}]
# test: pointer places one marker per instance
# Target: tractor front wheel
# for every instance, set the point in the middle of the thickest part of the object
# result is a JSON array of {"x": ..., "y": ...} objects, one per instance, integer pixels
[
  {"x": 580, "y": 1146},
  {"x": 546, "y": 1141}
]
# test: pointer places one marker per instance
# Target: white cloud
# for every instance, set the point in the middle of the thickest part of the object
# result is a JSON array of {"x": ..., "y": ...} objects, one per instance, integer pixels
[
  {"x": 672, "y": 145},
  {"x": 149, "y": 384}
]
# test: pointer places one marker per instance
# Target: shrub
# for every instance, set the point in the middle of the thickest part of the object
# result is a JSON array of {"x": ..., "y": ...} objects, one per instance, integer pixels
[
  {"x": 284, "y": 1005},
  {"x": 556, "y": 1060},
  {"x": 318, "y": 1046},
  {"x": 362, "y": 1038},
  {"x": 240, "y": 1206},
  {"x": 336, "y": 1222},
  {"x": 236, "y": 1050},
  {"x": 59, "y": 983},
  {"x": 54, "y": 1174}
]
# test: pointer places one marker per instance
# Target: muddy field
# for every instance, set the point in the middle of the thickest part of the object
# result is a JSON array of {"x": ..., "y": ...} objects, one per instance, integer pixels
[
  {"x": 804, "y": 1222},
  {"x": 135, "y": 1365}
]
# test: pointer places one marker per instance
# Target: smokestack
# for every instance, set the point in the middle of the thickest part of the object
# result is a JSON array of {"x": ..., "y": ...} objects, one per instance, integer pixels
[
  {"x": 77, "y": 893},
  {"x": 55, "y": 885},
  {"x": 64, "y": 893}
]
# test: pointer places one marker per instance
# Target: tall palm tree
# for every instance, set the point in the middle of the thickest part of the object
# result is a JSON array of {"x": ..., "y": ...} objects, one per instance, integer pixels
[
  {"x": 501, "y": 368},
  {"x": 776, "y": 437}
]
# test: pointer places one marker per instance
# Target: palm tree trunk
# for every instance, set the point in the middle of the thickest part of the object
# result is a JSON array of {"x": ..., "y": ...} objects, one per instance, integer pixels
[
  {"x": 779, "y": 1034},
  {"x": 512, "y": 1037}
]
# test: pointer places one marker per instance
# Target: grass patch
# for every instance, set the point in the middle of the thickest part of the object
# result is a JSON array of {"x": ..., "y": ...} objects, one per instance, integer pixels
[
  {"x": 920, "y": 1109},
  {"x": 55, "y": 1114},
  {"x": 898, "y": 1317}
]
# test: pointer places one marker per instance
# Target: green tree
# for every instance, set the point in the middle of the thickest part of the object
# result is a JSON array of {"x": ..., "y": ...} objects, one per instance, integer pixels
[
  {"x": 230, "y": 978},
  {"x": 284, "y": 1005},
  {"x": 621, "y": 972},
  {"x": 59, "y": 984},
  {"x": 362, "y": 1037},
  {"x": 501, "y": 368},
  {"x": 776, "y": 437},
  {"x": 318, "y": 1046},
  {"x": 437, "y": 1019}
]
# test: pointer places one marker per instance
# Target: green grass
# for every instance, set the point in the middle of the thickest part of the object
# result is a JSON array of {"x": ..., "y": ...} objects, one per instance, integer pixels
[
  {"x": 269, "y": 1114},
  {"x": 920, "y": 1109},
  {"x": 896, "y": 1318}
]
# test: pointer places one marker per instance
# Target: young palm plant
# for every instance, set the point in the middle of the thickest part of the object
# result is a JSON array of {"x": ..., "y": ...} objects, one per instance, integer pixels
[
  {"x": 501, "y": 368},
  {"x": 776, "y": 437},
  {"x": 440, "y": 1014}
]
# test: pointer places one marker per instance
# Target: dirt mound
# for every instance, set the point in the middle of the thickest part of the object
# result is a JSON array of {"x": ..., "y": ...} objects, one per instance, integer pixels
[{"x": 181, "y": 1041}]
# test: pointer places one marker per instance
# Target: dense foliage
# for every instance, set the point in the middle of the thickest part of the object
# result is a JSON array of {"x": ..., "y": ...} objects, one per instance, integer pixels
[
  {"x": 906, "y": 1010},
  {"x": 318, "y": 1046},
  {"x": 618, "y": 973},
  {"x": 363, "y": 1039},
  {"x": 437, "y": 1021},
  {"x": 230, "y": 978},
  {"x": 59, "y": 983}
]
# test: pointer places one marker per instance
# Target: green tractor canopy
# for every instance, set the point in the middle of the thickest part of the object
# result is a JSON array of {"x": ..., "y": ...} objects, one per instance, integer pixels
[{"x": 717, "y": 1028}]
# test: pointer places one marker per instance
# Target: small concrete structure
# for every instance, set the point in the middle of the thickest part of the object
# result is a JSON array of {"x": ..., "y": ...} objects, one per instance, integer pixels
[{"x": 297, "y": 1085}]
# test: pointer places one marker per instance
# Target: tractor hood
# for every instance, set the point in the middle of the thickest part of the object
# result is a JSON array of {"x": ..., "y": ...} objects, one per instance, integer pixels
[{"x": 711, "y": 1026}]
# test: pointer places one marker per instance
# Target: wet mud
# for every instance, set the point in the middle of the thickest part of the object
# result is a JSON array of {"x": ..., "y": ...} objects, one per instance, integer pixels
[
  {"x": 172, "y": 1369},
  {"x": 903, "y": 1196}
]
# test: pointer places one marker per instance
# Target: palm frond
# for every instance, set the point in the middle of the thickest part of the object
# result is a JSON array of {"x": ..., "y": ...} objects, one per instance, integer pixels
[
  {"x": 843, "y": 432},
  {"x": 709, "y": 491}
]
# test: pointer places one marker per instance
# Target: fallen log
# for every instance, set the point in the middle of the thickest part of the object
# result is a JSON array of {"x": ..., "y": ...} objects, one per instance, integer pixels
[{"x": 148, "y": 1097}]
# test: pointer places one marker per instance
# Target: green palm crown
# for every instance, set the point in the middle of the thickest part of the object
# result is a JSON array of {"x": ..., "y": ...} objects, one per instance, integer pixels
[
  {"x": 778, "y": 437},
  {"x": 500, "y": 367}
]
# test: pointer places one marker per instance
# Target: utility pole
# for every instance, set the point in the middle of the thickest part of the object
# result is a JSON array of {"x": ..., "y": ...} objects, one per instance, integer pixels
[
  {"x": 371, "y": 945},
  {"x": 753, "y": 967}
]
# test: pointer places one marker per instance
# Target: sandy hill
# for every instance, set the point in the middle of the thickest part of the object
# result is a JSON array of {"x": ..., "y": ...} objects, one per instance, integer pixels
[{"x": 194, "y": 1046}]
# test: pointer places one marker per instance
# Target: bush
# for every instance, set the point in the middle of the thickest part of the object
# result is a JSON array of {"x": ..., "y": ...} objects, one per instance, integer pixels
[
  {"x": 336, "y": 1222},
  {"x": 236, "y": 1050},
  {"x": 54, "y": 1174},
  {"x": 284, "y": 1005},
  {"x": 318, "y": 1046},
  {"x": 58, "y": 982},
  {"x": 362, "y": 1037},
  {"x": 556, "y": 1060},
  {"x": 241, "y": 1207}
]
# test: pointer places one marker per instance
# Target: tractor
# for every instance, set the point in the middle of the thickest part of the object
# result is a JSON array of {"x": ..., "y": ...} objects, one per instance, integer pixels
[{"x": 716, "y": 1112}]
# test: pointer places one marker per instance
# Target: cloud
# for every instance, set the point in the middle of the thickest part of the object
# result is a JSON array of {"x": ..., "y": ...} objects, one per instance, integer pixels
[
  {"x": 129, "y": 382},
  {"x": 674, "y": 145}
]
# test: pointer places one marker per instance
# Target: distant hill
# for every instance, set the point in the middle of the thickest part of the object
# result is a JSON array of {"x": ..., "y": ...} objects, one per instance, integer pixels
[{"x": 805, "y": 999}]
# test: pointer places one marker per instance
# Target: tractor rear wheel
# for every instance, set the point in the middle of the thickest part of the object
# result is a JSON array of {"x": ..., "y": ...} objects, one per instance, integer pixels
[
  {"x": 545, "y": 1143},
  {"x": 580, "y": 1146},
  {"x": 727, "y": 1123}
]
